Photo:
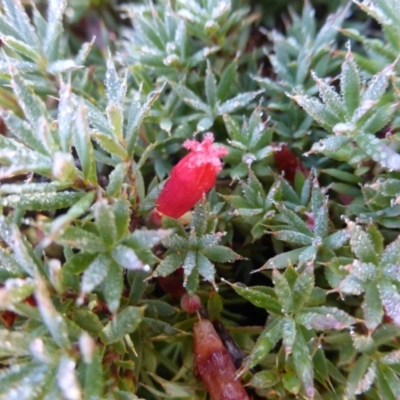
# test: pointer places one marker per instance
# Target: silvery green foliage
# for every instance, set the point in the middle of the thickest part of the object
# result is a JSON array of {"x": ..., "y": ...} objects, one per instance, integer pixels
[
  {"x": 195, "y": 251},
  {"x": 354, "y": 117}
]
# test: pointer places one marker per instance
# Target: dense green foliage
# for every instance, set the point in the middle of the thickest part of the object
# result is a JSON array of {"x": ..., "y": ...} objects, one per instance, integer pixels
[{"x": 296, "y": 250}]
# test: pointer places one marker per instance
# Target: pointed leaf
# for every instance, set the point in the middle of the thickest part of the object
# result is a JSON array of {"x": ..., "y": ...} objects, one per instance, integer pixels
[
  {"x": 265, "y": 343},
  {"x": 239, "y": 101},
  {"x": 84, "y": 146},
  {"x": 113, "y": 287},
  {"x": 350, "y": 84},
  {"x": 95, "y": 273},
  {"x": 52, "y": 319},
  {"x": 303, "y": 364},
  {"x": 257, "y": 298},
  {"x": 210, "y": 87},
  {"x": 303, "y": 287},
  {"x": 390, "y": 297},
  {"x": 124, "y": 323}
]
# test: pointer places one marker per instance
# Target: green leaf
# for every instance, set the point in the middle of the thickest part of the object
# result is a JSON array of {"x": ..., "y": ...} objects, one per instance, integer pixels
[
  {"x": 18, "y": 19},
  {"x": 37, "y": 374},
  {"x": 136, "y": 116},
  {"x": 323, "y": 318},
  {"x": 211, "y": 87},
  {"x": 264, "y": 379},
  {"x": 9, "y": 268},
  {"x": 288, "y": 334},
  {"x": 214, "y": 306},
  {"x": 226, "y": 81},
  {"x": 389, "y": 382},
  {"x": 22, "y": 253},
  {"x": 283, "y": 291},
  {"x": 66, "y": 377},
  {"x": 127, "y": 258},
  {"x": 319, "y": 206},
  {"x": 342, "y": 175},
  {"x": 205, "y": 268},
  {"x": 116, "y": 88},
  {"x": 96, "y": 117},
  {"x": 379, "y": 119},
  {"x": 282, "y": 260},
  {"x": 189, "y": 266},
  {"x": 41, "y": 201},
  {"x": 390, "y": 297},
  {"x": 157, "y": 327},
  {"x": 377, "y": 85},
  {"x": 14, "y": 291},
  {"x": 391, "y": 254},
  {"x": 293, "y": 237},
  {"x": 257, "y": 298},
  {"x": 122, "y": 324},
  {"x": 265, "y": 343},
  {"x": 14, "y": 344},
  {"x": 80, "y": 239},
  {"x": 121, "y": 214},
  {"x": 372, "y": 307},
  {"x": 105, "y": 222},
  {"x": 21, "y": 47},
  {"x": 110, "y": 145},
  {"x": 32, "y": 106},
  {"x": 331, "y": 98},
  {"x": 321, "y": 366},
  {"x": 303, "y": 287},
  {"x": 84, "y": 147},
  {"x": 336, "y": 240},
  {"x": 138, "y": 285},
  {"x": 220, "y": 254},
  {"x": 23, "y": 131},
  {"x": 64, "y": 169},
  {"x": 317, "y": 110},
  {"x": 377, "y": 150},
  {"x": 95, "y": 273},
  {"x": 174, "y": 390},
  {"x": 356, "y": 375},
  {"x": 113, "y": 287},
  {"x": 167, "y": 266},
  {"x": 52, "y": 319},
  {"x": 116, "y": 180},
  {"x": 65, "y": 115},
  {"x": 116, "y": 91},
  {"x": 303, "y": 364},
  {"x": 293, "y": 220},
  {"x": 239, "y": 101},
  {"x": 55, "y": 13},
  {"x": 350, "y": 84},
  {"x": 361, "y": 244},
  {"x": 87, "y": 320},
  {"x": 159, "y": 307},
  {"x": 94, "y": 381},
  {"x": 191, "y": 99},
  {"x": 60, "y": 224}
]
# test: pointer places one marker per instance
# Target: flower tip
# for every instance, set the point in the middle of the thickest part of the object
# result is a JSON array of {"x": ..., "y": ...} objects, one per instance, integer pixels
[{"x": 206, "y": 146}]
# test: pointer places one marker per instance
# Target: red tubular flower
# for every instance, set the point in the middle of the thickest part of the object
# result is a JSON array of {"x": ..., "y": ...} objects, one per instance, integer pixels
[{"x": 192, "y": 177}]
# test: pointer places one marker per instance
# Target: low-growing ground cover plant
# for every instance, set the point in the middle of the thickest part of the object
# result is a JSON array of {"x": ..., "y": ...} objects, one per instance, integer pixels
[{"x": 199, "y": 199}]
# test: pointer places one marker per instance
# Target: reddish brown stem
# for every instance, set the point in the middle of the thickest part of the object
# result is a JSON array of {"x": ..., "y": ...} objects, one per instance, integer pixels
[{"x": 214, "y": 365}]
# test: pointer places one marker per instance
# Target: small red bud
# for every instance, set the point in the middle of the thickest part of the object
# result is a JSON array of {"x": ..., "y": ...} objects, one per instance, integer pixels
[{"x": 190, "y": 304}]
